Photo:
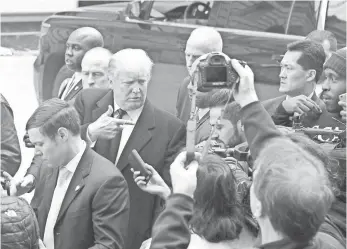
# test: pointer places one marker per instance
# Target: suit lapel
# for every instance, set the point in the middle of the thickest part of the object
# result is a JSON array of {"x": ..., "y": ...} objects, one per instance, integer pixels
[
  {"x": 77, "y": 181},
  {"x": 74, "y": 91},
  {"x": 43, "y": 210},
  {"x": 140, "y": 136},
  {"x": 202, "y": 120}
]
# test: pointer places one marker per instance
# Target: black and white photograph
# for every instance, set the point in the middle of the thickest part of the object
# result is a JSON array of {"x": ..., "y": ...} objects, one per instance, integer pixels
[{"x": 164, "y": 124}]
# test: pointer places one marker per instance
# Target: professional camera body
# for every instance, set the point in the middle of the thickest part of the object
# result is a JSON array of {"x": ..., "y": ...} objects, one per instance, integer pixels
[{"x": 215, "y": 71}]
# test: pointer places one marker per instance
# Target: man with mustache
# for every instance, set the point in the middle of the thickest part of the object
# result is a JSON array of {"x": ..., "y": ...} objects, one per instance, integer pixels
[
  {"x": 80, "y": 41},
  {"x": 156, "y": 135},
  {"x": 301, "y": 68},
  {"x": 333, "y": 86},
  {"x": 201, "y": 41}
]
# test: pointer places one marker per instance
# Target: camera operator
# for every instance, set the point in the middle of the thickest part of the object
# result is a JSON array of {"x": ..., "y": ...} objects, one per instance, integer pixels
[{"x": 290, "y": 195}]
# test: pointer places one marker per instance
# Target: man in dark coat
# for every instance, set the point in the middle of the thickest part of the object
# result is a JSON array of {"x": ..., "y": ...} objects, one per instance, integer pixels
[
  {"x": 156, "y": 135},
  {"x": 10, "y": 150}
]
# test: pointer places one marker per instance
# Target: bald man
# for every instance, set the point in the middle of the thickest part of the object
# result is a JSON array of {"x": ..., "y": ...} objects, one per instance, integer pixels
[
  {"x": 201, "y": 41},
  {"x": 80, "y": 41},
  {"x": 94, "y": 68}
]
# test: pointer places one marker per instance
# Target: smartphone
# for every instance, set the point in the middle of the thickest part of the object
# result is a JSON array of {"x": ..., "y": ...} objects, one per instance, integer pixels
[
  {"x": 343, "y": 97},
  {"x": 139, "y": 165}
]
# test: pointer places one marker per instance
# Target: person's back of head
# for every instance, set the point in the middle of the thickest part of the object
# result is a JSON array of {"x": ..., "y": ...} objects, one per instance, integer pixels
[
  {"x": 291, "y": 191},
  {"x": 326, "y": 38},
  {"x": 217, "y": 212},
  {"x": 19, "y": 227}
]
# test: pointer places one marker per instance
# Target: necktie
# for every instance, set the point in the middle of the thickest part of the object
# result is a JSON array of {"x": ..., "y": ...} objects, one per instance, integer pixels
[
  {"x": 116, "y": 140},
  {"x": 57, "y": 200}
]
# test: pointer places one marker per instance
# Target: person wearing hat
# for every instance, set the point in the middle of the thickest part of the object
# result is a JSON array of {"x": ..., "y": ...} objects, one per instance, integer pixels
[{"x": 334, "y": 85}]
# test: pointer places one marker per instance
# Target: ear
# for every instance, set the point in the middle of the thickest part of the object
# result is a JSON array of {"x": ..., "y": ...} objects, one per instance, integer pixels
[
  {"x": 62, "y": 134},
  {"x": 311, "y": 75}
]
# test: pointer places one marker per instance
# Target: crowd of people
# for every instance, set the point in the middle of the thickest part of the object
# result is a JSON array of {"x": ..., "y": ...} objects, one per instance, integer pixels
[{"x": 265, "y": 174}]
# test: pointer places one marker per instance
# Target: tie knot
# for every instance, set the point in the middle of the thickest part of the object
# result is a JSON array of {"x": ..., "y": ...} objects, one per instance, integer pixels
[{"x": 120, "y": 113}]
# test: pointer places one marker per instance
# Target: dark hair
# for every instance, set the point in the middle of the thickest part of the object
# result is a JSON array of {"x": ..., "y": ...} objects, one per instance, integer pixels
[
  {"x": 219, "y": 98},
  {"x": 312, "y": 57},
  {"x": 217, "y": 212},
  {"x": 52, "y": 115},
  {"x": 331, "y": 165},
  {"x": 323, "y": 35},
  {"x": 293, "y": 188}
]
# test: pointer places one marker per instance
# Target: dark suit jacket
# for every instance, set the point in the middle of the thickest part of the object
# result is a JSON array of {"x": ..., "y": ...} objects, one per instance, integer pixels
[
  {"x": 93, "y": 215},
  {"x": 157, "y": 136},
  {"x": 11, "y": 156},
  {"x": 73, "y": 93},
  {"x": 183, "y": 104},
  {"x": 281, "y": 117}
]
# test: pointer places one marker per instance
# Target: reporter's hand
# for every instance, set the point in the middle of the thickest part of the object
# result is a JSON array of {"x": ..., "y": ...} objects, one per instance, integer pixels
[
  {"x": 156, "y": 185},
  {"x": 105, "y": 126},
  {"x": 244, "y": 92},
  {"x": 21, "y": 186},
  {"x": 343, "y": 112},
  {"x": 184, "y": 178},
  {"x": 300, "y": 104}
]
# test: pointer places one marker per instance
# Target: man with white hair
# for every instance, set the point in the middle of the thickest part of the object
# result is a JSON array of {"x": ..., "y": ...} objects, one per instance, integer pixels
[
  {"x": 94, "y": 68},
  {"x": 157, "y": 135},
  {"x": 201, "y": 41}
]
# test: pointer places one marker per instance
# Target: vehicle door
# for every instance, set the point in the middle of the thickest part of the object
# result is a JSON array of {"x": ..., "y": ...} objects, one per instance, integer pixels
[{"x": 254, "y": 31}]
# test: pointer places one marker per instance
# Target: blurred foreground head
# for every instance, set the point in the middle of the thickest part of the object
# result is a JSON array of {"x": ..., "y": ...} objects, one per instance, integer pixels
[{"x": 291, "y": 192}]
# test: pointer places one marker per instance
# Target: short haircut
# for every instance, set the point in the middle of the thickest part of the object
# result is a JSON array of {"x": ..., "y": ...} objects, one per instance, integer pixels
[
  {"x": 208, "y": 39},
  {"x": 93, "y": 37},
  {"x": 125, "y": 59},
  {"x": 217, "y": 212},
  {"x": 52, "y": 115},
  {"x": 293, "y": 188},
  {"x": 232, "y": 113},
  {"x": 312, "y": 57},
  {"x": 323, "y": 35},
  {"x": 98, "y": 54},
  {"x": 219, "y": 97}
]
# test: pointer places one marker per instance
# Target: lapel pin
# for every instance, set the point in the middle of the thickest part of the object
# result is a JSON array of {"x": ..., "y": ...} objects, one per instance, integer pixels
[{"x": 77, "y": 188}]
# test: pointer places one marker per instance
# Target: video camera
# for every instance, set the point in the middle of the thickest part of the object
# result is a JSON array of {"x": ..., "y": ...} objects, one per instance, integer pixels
[{"x": 215, "y": 71}]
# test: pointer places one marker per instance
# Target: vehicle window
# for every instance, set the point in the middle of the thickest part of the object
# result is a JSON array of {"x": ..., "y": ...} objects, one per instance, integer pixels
[
  {"x": 336, "y": 20},
  {"x": 181, "y": 11},
  {"x": 268, "y": 16}
]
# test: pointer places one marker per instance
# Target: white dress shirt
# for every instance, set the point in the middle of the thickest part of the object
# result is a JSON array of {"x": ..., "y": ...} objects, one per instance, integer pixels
[
  {"x": 128, "y": 129},
  {"x": 64, "y": 179},
  {"x": 202, "y": 112},
  {"x": 72, "y": 82}
]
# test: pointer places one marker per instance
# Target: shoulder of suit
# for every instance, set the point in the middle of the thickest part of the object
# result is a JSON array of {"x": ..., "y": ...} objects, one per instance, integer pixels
[
  {"x": 165, "y": 115},
  {"x": 102, "y": 166},
  {"x": 94, "y": 93},
  {"x": 3, "y": 100}
]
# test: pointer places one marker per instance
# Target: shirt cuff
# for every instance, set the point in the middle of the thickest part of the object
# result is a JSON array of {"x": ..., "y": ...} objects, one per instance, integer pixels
[{"x": 89, "y": 140}]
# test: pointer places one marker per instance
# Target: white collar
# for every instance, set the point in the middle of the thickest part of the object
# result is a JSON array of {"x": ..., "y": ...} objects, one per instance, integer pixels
[
  {"x": 72, "y": 165},
  {"x": 309, "y": 96},
  {"x": 134, "y": 114}
]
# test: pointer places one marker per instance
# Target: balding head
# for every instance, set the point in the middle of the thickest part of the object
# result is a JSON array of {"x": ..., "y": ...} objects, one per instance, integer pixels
[
  {"x": 80, "y": 41},
  {"x": 130, "y": 71},
  {"x": 94, "y": 68},
  {"x": 201, "y": 41}
]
